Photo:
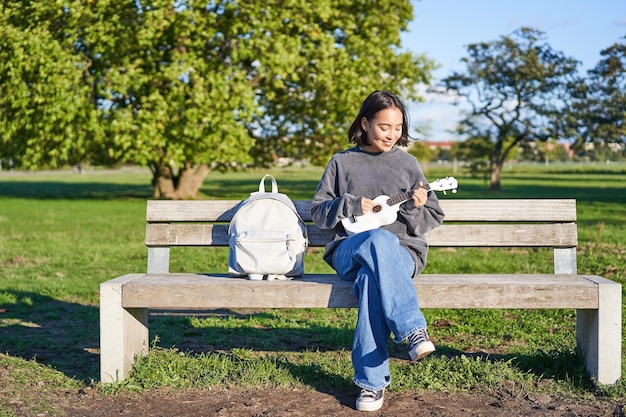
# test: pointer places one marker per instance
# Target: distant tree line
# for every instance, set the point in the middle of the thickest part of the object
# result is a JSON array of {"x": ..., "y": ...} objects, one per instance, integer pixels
[{"x": 475, "y": 152}]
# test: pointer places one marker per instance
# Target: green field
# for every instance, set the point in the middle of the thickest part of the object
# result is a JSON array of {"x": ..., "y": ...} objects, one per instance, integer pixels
[{"x": 62, "y": 234}]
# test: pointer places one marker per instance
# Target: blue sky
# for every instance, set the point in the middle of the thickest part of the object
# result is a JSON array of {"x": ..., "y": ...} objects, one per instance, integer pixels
[{"x": 443, "y": 28}]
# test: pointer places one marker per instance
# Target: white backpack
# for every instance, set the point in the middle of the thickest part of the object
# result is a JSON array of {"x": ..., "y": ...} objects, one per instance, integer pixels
[{"x": 267, "y": 237}]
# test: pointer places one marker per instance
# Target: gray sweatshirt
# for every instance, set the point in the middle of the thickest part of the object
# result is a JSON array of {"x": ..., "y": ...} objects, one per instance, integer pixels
[{"x": 353, "y": 174}]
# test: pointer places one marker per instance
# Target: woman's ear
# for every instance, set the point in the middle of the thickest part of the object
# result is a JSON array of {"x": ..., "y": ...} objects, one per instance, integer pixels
[{"x": 364, "y": 123}]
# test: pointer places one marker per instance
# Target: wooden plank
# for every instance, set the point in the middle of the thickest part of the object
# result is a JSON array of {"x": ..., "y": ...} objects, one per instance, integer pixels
[
  {"x": 510, "y": 210},
  {"x": 194, "y": 291},
  {"x": 203, "y": 234},
  {"x": 504, "y": 235},
  {"x": 470, "y": 235},
  {"x": 502, "y": 210},
  {"x": 191, "y": 210}
]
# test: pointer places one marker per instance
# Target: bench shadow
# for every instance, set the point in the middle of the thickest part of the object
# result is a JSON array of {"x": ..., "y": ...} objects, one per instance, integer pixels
[
  {"x": 64, "y": 336},
  {"x": 564, "y": 366},
  {"x": 60, "y": 335},
  {"x": 256, "y": 337},
  {"x": 186, "y": 336},
  {"x": 557, "y": 365}
]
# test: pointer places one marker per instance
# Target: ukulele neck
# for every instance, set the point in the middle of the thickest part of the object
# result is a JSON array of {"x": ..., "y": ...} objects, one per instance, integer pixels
[{"x": 401, "y": 198}]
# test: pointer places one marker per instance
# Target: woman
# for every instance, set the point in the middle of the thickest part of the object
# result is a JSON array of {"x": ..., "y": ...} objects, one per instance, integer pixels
[{"x": 383, "y": 261}]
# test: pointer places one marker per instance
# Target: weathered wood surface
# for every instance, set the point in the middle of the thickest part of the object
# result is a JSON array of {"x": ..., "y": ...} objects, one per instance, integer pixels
[
  {"x": 449, "y": 235},
  {"x": 540, "y": 223},
  {"x": 493, "y": 210},
  {"x": 527, "y": 291}
]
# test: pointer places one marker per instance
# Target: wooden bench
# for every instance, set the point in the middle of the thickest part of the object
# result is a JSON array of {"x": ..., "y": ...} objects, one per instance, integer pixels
[{"x": 125, "y": 301}]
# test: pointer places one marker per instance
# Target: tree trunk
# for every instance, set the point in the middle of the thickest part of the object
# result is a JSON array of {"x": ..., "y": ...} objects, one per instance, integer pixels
[
  {"x": 163, "y": 181},
  {"x": 190, "y": 180},
  {"x": 496, "y": 171},
  {"x": 169, "y": 186}
]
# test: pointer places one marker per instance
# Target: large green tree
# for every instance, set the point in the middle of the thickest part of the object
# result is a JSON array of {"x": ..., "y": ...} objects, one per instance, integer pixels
[
  {"x": 184, "y": 87},
  {"x": 518, "y": 89},
  {"x": 174, "y": 94}
]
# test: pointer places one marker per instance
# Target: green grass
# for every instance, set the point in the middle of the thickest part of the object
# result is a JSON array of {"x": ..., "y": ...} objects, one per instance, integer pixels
[{"x": 62, "y": 234}]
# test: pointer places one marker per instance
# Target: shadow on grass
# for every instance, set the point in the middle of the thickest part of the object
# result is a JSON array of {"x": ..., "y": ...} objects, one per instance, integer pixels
[
  {"x": 608, "y": 187},
  {"x": 557, "y": 365},
  {"x": 566, "y": 189},
  {"x": 224, "y": 189},
  {"x": 297, "y": 189},
  {"x": 61, "y": 335},
  {"x": 65, "y": 336},
  {"x": 263, "y": 333},
  {"x": 49, "y": 190}
]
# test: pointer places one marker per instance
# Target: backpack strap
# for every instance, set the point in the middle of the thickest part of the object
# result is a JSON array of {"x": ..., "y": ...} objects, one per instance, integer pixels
[{"x": 262, "y": 184}]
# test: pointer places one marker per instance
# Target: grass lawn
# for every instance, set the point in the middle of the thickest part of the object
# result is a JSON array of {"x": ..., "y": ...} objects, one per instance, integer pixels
[{"x": 62, "y": 234}]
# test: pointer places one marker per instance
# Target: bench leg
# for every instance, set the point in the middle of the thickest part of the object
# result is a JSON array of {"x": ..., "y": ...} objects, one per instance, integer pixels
[
  {"x": 599, "y": 333},
  {"x": 123, "y": 332}
]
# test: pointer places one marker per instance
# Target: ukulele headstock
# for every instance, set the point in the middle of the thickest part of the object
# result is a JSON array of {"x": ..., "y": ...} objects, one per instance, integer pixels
[{"x": 445, "y": 184}]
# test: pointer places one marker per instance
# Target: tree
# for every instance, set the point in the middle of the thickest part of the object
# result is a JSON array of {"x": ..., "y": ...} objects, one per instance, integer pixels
[
  {"x": 422, "y": 151},
  {"x": 330, "y": 57},
  {"x": 176, "y": 95},
  {"x": 47, "y": 118},
  {"x": 517, "y": 88},
  {"x": 539, "y": 151},
  {"x": 187, "y": 87},
  {"x": 600, "y": 104}
]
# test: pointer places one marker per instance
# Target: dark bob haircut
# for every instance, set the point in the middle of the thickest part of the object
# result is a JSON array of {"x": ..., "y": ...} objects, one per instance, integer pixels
[{"x": 375, "y": 102}]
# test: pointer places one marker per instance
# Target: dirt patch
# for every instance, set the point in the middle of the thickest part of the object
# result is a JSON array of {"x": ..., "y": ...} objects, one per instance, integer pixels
[{"x": 295, "y": 403}]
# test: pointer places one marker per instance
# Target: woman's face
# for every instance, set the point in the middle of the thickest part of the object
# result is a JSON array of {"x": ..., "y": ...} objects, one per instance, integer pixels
[{"x": 384, "y": 130}]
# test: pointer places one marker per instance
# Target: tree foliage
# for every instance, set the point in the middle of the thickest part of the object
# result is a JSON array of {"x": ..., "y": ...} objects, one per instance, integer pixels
[
  {"x": 422, "y": 151},
  {"x": 184, "y": 87},
  {"x": 46, "y": 114},
  {"x": 332, "y": 55},
  {"x": 517, "y": 87},
  {"x": 599, "y": 109}
]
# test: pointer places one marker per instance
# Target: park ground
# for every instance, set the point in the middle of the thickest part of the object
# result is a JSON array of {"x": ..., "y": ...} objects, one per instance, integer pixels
[
  {"x": 510, "y": 399},
  {"x": 40, "y": 355}
]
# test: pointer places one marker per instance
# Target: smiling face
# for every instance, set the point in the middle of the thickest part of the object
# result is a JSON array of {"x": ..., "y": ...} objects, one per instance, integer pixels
[{"x": 384, "y": 130}]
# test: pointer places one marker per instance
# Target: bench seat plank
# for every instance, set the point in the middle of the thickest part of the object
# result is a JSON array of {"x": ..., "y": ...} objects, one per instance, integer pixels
[{"x": 526, "y": 291}]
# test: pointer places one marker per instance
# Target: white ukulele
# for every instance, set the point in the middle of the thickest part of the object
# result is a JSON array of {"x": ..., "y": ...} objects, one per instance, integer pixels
[{"x": 386, "y": 211}]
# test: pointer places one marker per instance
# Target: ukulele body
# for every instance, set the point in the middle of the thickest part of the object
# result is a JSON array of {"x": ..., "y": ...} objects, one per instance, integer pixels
[
  {"x": 386, "y": 210},
  {"x": 382, "y": 214}
]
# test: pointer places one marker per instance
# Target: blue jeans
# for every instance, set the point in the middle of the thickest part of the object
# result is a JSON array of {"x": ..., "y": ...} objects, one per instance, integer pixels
[{"x": 382, "y": 273}]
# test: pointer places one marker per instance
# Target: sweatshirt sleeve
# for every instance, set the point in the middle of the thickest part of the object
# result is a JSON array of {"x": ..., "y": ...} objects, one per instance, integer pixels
[
  {"x": 329, "y": 206},
  {"x": 420, "y": 220}
]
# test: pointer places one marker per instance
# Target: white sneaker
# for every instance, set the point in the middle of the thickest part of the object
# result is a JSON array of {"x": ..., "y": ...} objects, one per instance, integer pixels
[
  {"x": 255, "y": 277},
  {"x": 275, "y": 277},
  {"x": 370, "y": 400},
  {"x": 420, "y": 345}
]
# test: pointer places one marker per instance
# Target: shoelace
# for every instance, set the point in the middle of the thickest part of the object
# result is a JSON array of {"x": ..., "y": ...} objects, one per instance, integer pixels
[
  {"x": 418, "y": 337},
  {"x": 369, "y": 395}
]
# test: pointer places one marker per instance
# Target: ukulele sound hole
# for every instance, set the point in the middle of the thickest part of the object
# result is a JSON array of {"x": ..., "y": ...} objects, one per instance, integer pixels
[{"x": 376, "y": 209}]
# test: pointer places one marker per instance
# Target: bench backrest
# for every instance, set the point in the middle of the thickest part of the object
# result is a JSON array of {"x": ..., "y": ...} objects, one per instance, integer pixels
[{"x": 468, "y": 223}]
